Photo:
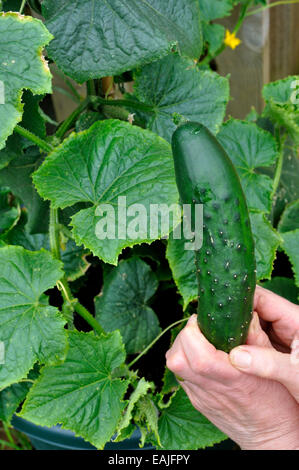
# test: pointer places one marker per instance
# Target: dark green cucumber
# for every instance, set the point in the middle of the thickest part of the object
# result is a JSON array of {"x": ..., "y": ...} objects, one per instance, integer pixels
[{"x": 225, "y": 264}]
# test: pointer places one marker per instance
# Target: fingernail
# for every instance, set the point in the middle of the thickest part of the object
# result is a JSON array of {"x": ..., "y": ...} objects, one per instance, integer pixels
[{"x": 240, "y": 358}]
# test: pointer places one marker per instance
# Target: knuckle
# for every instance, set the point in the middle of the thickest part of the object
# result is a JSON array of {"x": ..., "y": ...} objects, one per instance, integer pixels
[{"x": 175, "y": 362}]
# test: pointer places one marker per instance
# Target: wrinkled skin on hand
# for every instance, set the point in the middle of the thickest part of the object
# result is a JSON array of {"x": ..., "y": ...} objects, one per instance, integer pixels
[{"x": 254, "y": 401}]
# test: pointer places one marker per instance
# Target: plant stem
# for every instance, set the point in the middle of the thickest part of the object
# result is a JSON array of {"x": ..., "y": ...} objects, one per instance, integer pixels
[
  {"x": 84, "y": 313},
  {"x": 275, "y": 4},
  {"x": 9, "y": 444},
  {"x": 8, "y": 433},
  {"x": 22, "y": 6},
  {"x": 155, "y": 340},
  {"x": 67, "y": 124},
  {"x": 42, "y": 144},
  {"x": 91, "y": 89},
  {"x": 68, "y": 298},
  {"x": 242, "y": 17},
  {"x": 128, "y": 103}
]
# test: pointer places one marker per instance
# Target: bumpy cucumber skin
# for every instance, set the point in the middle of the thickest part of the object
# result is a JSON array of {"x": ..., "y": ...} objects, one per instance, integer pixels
[{"x": 225, "y": 264}]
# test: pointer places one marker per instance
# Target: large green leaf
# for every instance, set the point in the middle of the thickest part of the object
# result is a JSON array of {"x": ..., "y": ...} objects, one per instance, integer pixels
[
  {"x": 175, "y": 85},
  {"x": 249, "y": 148},
  {"x": 290, "y": 245},
  {"x": 109, "y": 160},
  {"x": 22, "y": 66},
  {"x": 183, "y": 21},
  {"x": 290, "y": 218},
  {"x": 17, "y": 176},
  {"x": 211, "y": 10},
  {"x": 267, "y": 240},
  {"x": 81, "y": 394},
  {"x": 123, "y": 304},
  {"x": 182, "y": 427},
  {"x": 30, "y": 329},
  {"x": 108, "y": 37},
  {"x": 282, "y": 104}
]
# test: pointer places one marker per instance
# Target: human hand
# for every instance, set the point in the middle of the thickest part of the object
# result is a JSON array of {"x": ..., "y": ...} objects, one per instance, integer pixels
[
  {"x": 255, "y": 412},
  {"x": 278, "y": 360}
]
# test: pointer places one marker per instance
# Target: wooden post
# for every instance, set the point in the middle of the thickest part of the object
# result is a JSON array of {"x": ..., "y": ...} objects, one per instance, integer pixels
[{"x": 284, "y": 41}]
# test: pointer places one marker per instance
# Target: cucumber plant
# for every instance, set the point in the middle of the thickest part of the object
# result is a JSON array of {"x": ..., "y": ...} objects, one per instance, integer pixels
[{"x": 93, "y": 316}]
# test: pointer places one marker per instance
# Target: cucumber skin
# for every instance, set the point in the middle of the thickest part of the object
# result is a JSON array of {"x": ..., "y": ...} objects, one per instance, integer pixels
[{"x": 225, "y": 264}]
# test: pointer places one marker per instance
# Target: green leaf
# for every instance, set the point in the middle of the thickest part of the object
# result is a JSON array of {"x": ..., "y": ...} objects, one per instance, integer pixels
[
  {"x": 290, "y": 218},
  {"x": 141, "y": 389},
  {"x": 9, "y": 213},
  {"x": 170, "y": 383},
  {"x": 288, "y": 190},
  {"x": 290, "y": 246},
  {"x": 123, "y": 304},
  {"x": 182, "y": 427},
  {"x": 74, "y": 260},
  {"x": 10, "y": 399},
  {"x": 176, "y": 85},
  {"x": 17, "y": 176},
  {"x": 147, "y": 419},
  {"x": 250, "y": 148},
  {"x": 12, "y": 149},
  {"x": 183, "y": 18},
  {"x": 32, "y": 118},
  {"x": 72, "y": 256},
  {"x": 211, "y": 10},
  {"x": 284, "y": 287},
  {"x": 139, "y": 32},
  {"x": 30, "y": 329},
  {"x": 267, "y": 241},
  {"x": 21, "y": 66},
  {"x": 182, "y": 265},
  {"x": 109, "y": 160},
  {"x": 213, "y": 34},
  {"x": 81, "y": 394},
  {"x": 282, "y": 104}
]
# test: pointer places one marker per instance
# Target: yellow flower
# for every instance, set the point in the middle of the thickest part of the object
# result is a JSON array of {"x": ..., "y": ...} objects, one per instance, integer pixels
[{"x": 231, "y": 40}]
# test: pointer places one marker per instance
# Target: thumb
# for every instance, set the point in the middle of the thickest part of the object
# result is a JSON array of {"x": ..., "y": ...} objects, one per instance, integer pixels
[{"x": 269, "y": 364}]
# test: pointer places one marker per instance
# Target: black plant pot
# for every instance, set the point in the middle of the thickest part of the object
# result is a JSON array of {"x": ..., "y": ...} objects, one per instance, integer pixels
[{"x": 56, "y": 438}]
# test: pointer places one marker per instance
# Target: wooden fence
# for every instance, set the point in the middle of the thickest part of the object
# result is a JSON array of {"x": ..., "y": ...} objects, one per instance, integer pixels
[{"x": 269, "y": 51}]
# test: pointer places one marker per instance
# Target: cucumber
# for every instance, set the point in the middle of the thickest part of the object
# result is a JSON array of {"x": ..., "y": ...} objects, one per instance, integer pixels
[{"x": 225, "y": 264}]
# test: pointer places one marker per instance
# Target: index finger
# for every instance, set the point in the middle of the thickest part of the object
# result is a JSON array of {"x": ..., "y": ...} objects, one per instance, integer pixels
[{"x": 274, "y": 308}]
